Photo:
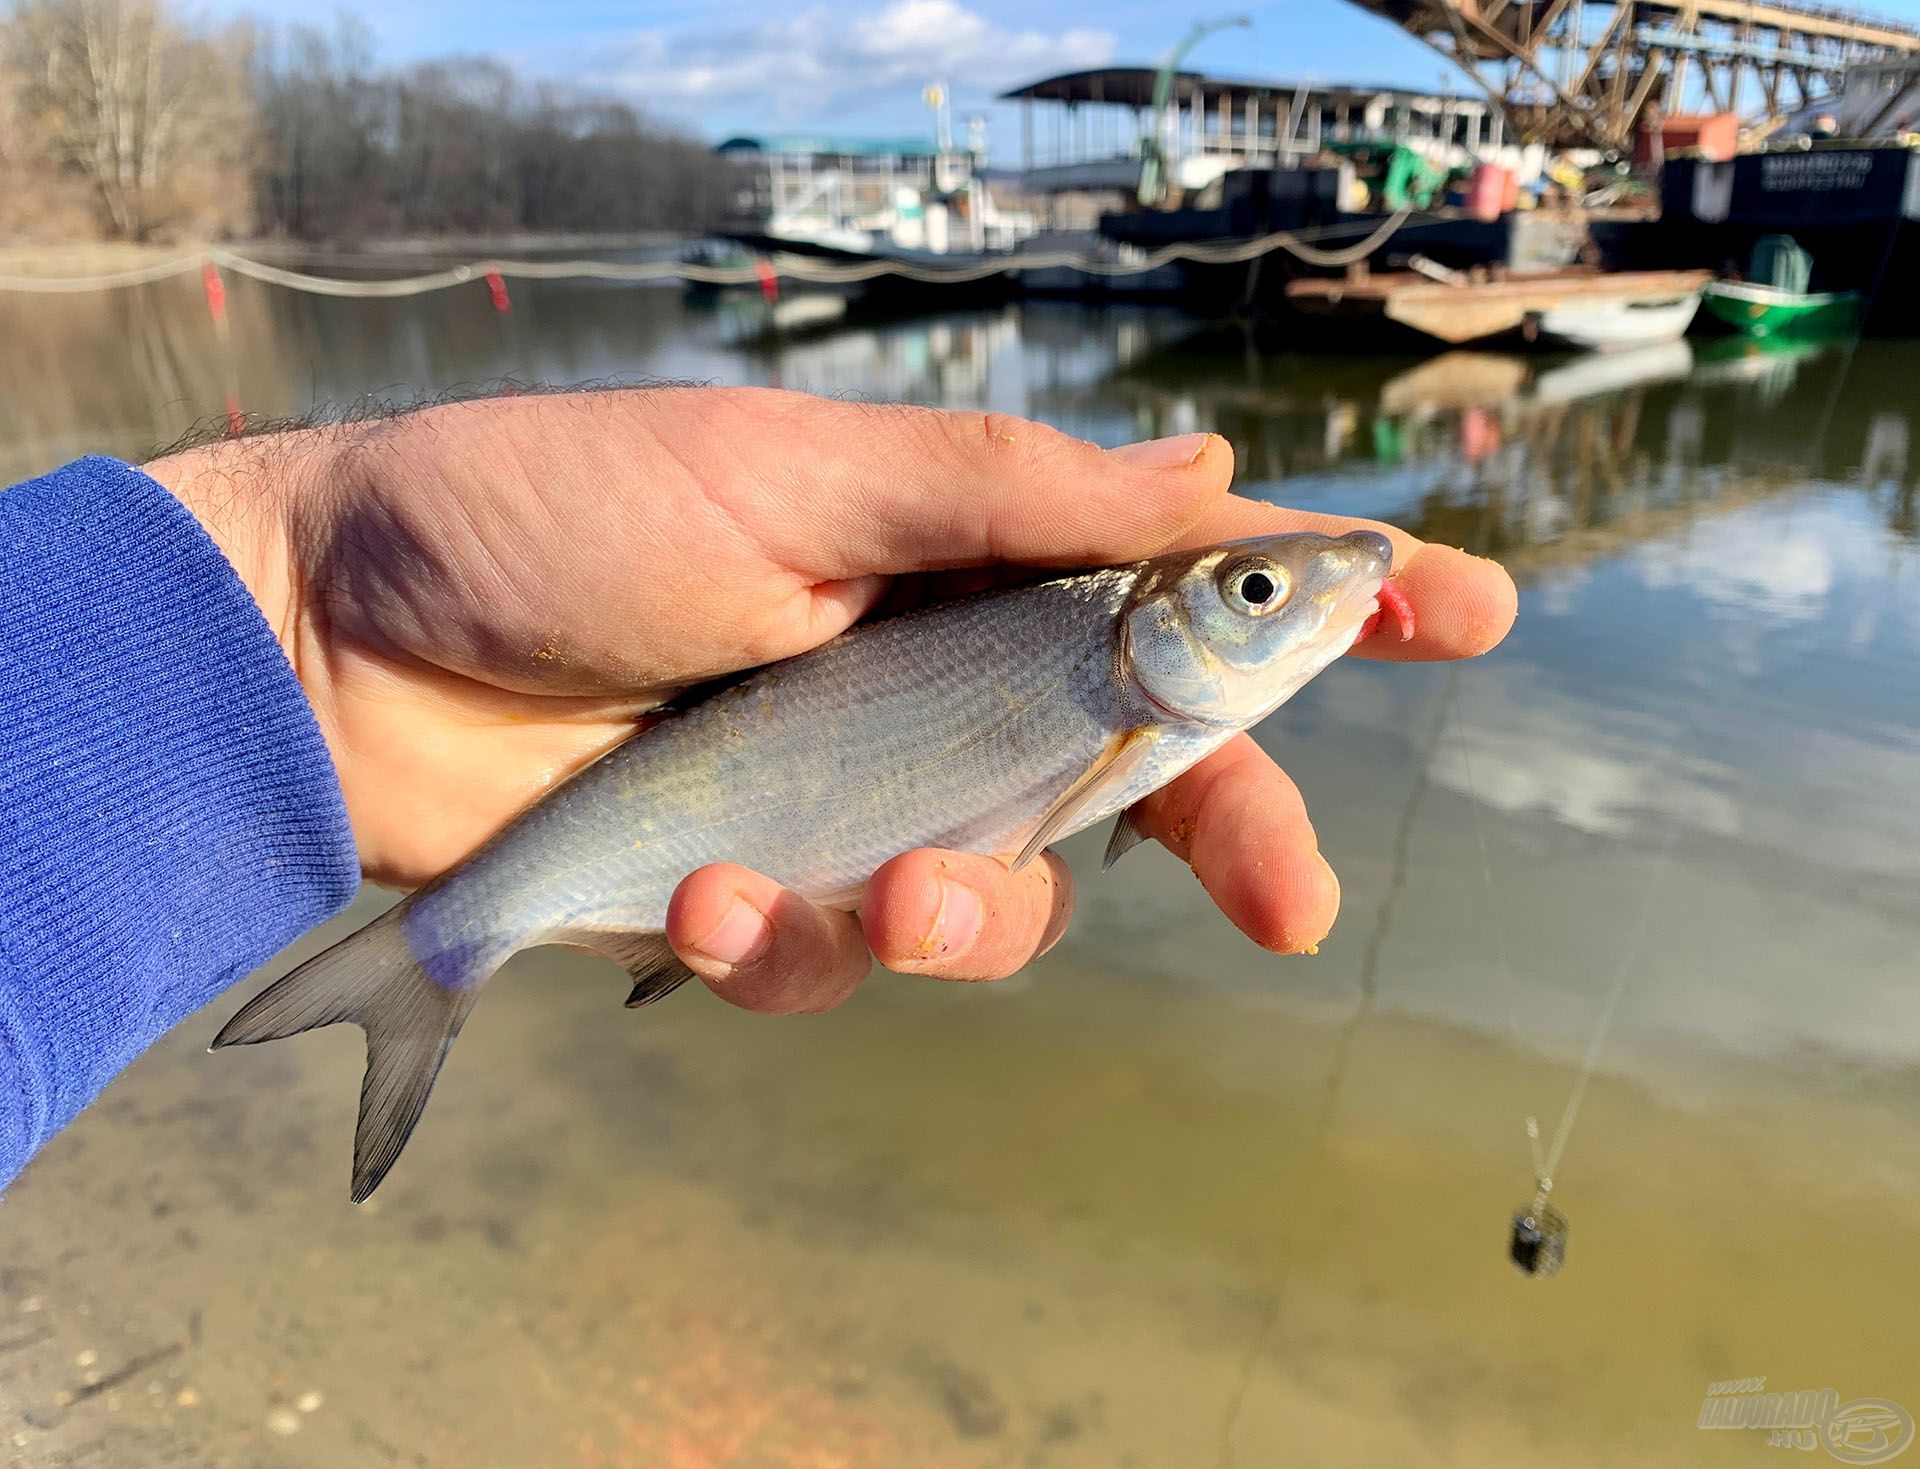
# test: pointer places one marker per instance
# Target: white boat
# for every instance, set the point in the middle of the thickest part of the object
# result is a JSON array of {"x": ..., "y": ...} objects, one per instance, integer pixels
[
  {"x": 1565, "y": 308},
  {"x": 749, "y": 316},
  {"x": 1600, "y": 324},
  {"x": 909, "y": 201}
]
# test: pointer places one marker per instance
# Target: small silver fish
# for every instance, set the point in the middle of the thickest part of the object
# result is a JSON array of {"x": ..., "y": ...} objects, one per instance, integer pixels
[{"x": 999, "y": 724}]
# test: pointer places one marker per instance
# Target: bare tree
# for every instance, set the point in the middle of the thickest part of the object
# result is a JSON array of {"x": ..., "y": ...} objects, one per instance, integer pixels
[
  {"x": 155, "y": 117},
  {"x": 459, "y": 146},
  {"x": 173, "y": 129},
  {"x": 320, "y": 159}
]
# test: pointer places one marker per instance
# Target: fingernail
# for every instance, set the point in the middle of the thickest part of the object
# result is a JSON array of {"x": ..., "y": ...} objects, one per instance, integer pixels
[
  {"x": 1329, "y": 879},
  {"x": 740, "y": 935},
  {"x": 1174, "y": 453},
  {"x": 957, "y": 923}
]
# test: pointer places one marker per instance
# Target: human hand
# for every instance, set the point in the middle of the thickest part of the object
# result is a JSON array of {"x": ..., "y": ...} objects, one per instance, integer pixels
[{"x": 481, "y": 598}]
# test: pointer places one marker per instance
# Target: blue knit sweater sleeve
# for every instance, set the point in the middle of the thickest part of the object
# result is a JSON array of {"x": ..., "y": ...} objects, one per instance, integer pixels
[{"x": 169, "y": 816}]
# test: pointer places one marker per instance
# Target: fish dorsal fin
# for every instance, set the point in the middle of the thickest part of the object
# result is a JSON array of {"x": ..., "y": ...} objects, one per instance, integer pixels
[
  {"x": 1126, "y": 836},
  {"x": 1118, "y": 764}
]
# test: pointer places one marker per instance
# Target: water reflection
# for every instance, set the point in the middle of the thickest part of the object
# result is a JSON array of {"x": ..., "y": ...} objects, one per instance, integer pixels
[
  {"x": 1504, "y": 453},
  {"x": 1169, "y": 1201}
]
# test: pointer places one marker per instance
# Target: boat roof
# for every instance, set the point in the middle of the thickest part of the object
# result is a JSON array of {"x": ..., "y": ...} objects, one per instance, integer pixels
[
  {"x": 816, "y": 145},
  {"x": 1132, "y": 86}
]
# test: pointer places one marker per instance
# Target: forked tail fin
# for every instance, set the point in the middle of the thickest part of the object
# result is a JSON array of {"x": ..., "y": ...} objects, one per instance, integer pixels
[{"x": 372, "y": 979}]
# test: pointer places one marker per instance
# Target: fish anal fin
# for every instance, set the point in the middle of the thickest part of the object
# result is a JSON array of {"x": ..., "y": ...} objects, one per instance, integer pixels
[
  {"x": 657, "y": 971},
  {"x": 1126, "y": 836},
  {"x": 1116, "y": 767}
]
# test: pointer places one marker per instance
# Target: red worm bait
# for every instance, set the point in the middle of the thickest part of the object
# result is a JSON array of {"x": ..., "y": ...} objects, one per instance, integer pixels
[{"x": 1393, "y": 600}]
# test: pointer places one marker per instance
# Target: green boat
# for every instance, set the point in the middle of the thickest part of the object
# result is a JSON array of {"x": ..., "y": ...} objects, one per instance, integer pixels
[
  {"x": 1768, "y": 311},
  {"x": 1775, "y": 302}
]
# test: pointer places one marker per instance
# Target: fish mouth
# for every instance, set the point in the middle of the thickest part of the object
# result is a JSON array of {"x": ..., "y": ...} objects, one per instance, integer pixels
[{"x": 1388, "y": 598}]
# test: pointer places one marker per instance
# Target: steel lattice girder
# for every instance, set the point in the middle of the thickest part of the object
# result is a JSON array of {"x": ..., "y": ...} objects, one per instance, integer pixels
[{"x": 1580, "y": 73}]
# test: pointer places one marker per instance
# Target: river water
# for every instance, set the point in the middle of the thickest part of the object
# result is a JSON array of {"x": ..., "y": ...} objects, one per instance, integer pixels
[{"x": 1165, "y": 1201}]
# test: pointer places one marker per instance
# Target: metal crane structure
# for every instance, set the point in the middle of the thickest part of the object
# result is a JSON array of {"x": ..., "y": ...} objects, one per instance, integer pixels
[
  {"x": 1583, "y": 73},
  {"x": 1152, "y": 188}
]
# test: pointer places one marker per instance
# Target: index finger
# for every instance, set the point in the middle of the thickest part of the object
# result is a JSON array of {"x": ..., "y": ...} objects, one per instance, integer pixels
[
  {"x": 1240, "y": 823},
  {"x": 1463, "y": 604},
  {"x": 848, "y": 490}
]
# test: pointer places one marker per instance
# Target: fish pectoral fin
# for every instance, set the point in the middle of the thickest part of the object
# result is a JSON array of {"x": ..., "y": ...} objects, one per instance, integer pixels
[
  {"x": 1118, "y": 764},
  {"x": 657, "y": 971},
  {"x": 1126, "y": 836}
]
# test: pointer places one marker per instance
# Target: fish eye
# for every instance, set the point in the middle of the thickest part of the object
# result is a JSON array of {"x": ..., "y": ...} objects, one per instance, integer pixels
[{"x": 1255, "y": 587}]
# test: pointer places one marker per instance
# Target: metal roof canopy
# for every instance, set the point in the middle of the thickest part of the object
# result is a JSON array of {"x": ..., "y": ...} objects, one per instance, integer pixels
[
  {"x": 1132, "y": 86},
  {"x": 805, "y": 145}
]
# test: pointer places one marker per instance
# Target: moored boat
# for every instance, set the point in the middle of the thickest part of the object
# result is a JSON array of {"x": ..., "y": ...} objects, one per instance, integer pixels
[
  {"x": 1766, "y": 311},
  {"x": 1579, "y": 308},
  {"x": 1623, "y": 323},
  {"x": 1775, "y": 300},
  {"x": 1843, "y": 179},
  {"x": 911, "y": 204}
]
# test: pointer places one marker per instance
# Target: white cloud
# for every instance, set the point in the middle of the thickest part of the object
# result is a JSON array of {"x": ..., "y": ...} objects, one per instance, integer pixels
[
  {"x": 1561, "y": 766},
  {"x": 1832, "y": 794},
  {"x": 1557, "y": 594},
  {"x": 804, "y": 66},
  {"x": 1748, "y": 564}
]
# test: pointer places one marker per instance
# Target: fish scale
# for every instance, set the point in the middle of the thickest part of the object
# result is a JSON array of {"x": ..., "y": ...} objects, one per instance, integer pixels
[{"x": 798, "y": 771}]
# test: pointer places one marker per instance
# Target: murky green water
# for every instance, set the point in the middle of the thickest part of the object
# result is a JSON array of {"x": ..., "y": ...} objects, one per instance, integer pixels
[{"x": 1165, "y": 1201}]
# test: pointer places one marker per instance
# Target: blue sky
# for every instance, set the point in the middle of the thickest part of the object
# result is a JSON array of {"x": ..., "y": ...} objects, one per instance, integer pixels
[{"x": 859, "y": 66}]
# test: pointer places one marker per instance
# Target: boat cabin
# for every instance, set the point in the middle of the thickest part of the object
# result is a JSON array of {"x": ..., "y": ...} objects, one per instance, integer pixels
[
  {"x": 781, "y": 170},
  {"x": 1084, "y": 131},
  {"x": 860, "y": 197}
]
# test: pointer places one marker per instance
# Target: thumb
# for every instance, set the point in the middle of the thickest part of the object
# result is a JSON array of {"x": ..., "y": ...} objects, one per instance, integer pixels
[{"x": 891, "y": 490}]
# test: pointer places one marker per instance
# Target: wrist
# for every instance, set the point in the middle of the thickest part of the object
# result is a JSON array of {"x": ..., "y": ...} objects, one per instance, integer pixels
[{"x": 250, "y": 496}]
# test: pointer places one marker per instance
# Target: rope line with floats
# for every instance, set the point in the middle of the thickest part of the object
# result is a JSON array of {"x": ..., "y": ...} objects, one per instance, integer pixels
[
  {"x": 764, "y": 272},
  {"x": 493, "y": 273}
]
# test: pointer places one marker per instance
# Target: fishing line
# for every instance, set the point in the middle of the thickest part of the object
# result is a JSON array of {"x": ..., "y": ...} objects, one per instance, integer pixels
[
  {"x": 1539, "y": 1229},
  {"x": 1620, "y": 981},
  {"x": 1545, "y": 1164},
  {"x": 1539, "y": 1233},
  {"x": 1281, "y": 1274},
  {"x": 1507, "y": 986},
  {"x": 1402, "y": 845}
]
